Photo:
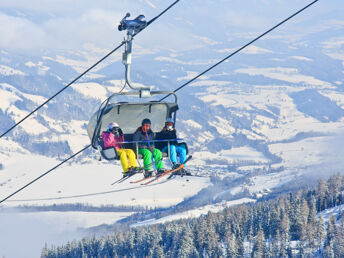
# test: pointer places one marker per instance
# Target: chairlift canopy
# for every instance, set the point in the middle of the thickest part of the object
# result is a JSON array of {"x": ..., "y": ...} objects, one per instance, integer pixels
[{"x": 129, "y": 115}]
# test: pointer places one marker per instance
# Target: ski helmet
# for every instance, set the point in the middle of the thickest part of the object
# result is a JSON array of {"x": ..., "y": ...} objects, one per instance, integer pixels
[
  {"x": 112, "y": 125},
  {"x": 146, "y": 121},
  {"x": 169, "y": 120}
]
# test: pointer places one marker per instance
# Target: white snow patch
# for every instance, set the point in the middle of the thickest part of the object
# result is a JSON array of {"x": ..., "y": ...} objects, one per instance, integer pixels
[
  {"x": 254, "y": 50},
  {"x": 6, "y": 70},
  {"x": 193, "y": 124},
  {"x": 336, "y": 42},
  {"x": 35, "y": 229},
  {"x": 190, "y": 75},
  {"x": 30, "y": 64},
  {"x": 149, "y": 3},
  {"x": 31, "y": 126},
  {"x": 90, "y": 89},
  {"x": 226, "y": 50},
  {"x": 242, "y": 154},
  {"x": 210, "y": 83},
  {"x": 7, "y": 96},
  {"x": 195, "y": 213},
  {"x": 8, "y": 89},
  {"x": 87, "y": 183},
  {"x": 302, "y": 58},
  {"x": 284, "y": 74},
  {"x": 223, "y": 126},
  {"x": 177, "y": 61},
  {"x": 335, "y": 211},
  {"x": 206, "y": 40}
]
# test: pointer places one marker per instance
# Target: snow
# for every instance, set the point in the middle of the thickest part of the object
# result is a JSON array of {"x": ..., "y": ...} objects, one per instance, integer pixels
[
  {"x": 332, "y": 43},
  {"x": 194, "y": 213},
  {"x": 87, "y": 182},
  {"x": 35, "y": 229},
  {"x": 30, "y": 64},
  {"x": 178, "y": 61},
  {"x": 243, "y": 153},
  {"x": 302, "y": 153},
  {"x": 284, "y": 74},
  {"x": 91, "y": 89},
  {"x": 302, "y": 58},
  {"x": 6, "y": 70},
  {"x": 76, "y": 183},
  {"x": 150, "y": 3},
  {"x": 190, "y": 75},
  {"x": 254, "y": 50},
  {"x": 192, "y": 124},
  {"x": 223, "y": 126},
  {"x": 335, "y": 211},
  {"x": 240, "y": 155},
  {"x": 209, "y": 83},
  {"x": 73, "y": 133},
  {"x": 337, "y": 97},
  {"x": 31, "y": 126},
  {"x": 7, "y": 98},
  {"x": 206, "y": 40},
  {"x": 9, "y": 92}
]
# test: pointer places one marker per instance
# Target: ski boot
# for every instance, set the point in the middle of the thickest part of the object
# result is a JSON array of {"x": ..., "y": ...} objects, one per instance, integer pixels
[
  {"x": 148, "y": 173},
  {"x": 160, "y": 171}
]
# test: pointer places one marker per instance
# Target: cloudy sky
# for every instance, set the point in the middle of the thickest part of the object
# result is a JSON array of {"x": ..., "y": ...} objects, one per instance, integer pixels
[{"x": 66, "y": 24}]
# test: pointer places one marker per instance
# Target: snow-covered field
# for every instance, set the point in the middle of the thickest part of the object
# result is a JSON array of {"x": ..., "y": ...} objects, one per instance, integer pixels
[
  {"x": 32, "y": 230},
  {"x": 195, "y": 213}
]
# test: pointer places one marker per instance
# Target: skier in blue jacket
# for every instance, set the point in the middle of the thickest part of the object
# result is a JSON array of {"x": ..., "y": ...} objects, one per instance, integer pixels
[{"x": 169, "y": 132}]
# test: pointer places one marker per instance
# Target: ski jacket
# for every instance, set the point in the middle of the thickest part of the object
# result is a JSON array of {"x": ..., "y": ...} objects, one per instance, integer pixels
[
  {"x": 165, "y": 134},
  {"x": 110, "y": 140},
  {"x": 139, "y": 135}
]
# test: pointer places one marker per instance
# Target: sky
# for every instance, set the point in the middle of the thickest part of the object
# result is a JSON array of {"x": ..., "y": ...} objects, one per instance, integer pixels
[{"x": 65, "y": 24}]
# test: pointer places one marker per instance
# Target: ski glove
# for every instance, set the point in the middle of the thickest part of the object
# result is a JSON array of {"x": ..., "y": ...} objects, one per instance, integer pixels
[{"x": 151, "y": 148}]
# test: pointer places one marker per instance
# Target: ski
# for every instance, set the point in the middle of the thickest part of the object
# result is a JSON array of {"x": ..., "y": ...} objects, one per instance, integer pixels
[
  {"x": 168, "y": 172},
  {"x": 142, "y": 179},
  {"x": 120, "y": 180},
  {"x": 125, "y": 178}
]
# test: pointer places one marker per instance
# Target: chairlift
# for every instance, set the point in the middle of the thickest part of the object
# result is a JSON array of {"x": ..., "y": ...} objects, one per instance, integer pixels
[{"x": 129, "y": 114}]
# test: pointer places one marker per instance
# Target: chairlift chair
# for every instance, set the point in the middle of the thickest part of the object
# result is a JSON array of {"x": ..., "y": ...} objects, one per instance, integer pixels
[{"x": 130, "y": 114}]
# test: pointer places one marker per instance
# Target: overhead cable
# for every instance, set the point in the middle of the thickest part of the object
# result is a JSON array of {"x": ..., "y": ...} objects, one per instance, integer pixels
[{"x": 240, "y": 49}]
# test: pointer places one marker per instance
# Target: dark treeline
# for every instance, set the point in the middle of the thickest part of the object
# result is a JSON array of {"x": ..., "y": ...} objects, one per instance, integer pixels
[{"x": 287, "y": 226}]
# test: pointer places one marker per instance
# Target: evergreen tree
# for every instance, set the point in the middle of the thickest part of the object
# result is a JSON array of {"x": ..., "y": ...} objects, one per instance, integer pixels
[
  {"x": 231, "y": 246},
  {"x": 259, "y": 248},
  {"x": 186, "y": 247},
  {"x": 339, "y": 240}
]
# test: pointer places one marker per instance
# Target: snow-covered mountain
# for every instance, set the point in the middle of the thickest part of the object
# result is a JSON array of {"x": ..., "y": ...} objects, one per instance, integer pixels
[{"x": 270, "y": 116}]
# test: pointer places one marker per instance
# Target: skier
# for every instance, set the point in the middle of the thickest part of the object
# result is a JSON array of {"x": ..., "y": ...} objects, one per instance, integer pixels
[
  {"x": 145, "y": 135},
  {"x": 111, "y": 137},
  {"x": 169, "y": 132}
]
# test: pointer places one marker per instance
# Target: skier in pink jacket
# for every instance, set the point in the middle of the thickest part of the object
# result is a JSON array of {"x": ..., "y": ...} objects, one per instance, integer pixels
[{"x": 112, "y": 138}]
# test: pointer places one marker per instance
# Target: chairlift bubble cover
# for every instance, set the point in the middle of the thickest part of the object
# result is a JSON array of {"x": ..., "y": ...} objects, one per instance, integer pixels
[{"x": 130, "y": 115}]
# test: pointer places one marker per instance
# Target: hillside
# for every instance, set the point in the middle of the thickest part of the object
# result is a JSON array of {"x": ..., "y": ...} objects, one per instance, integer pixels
[{"x": 291, "y": 225}]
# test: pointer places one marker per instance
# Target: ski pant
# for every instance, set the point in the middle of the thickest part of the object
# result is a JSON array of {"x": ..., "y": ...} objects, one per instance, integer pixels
[
  {"x": 147, "y": 158},
  {"x": 124, "y": 156},
  {"x": 176, "y": 150}
]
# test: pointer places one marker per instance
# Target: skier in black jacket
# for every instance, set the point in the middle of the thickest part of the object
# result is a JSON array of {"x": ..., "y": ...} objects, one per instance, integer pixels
[
  {"x": 169, "y": 132},
  {"x": 145, "y": 135}
]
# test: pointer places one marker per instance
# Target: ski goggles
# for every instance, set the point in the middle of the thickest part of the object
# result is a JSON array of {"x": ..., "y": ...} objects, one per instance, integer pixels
[
  {"x": 169, "y": 124},
  {"x": 146, "y": 127}
]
